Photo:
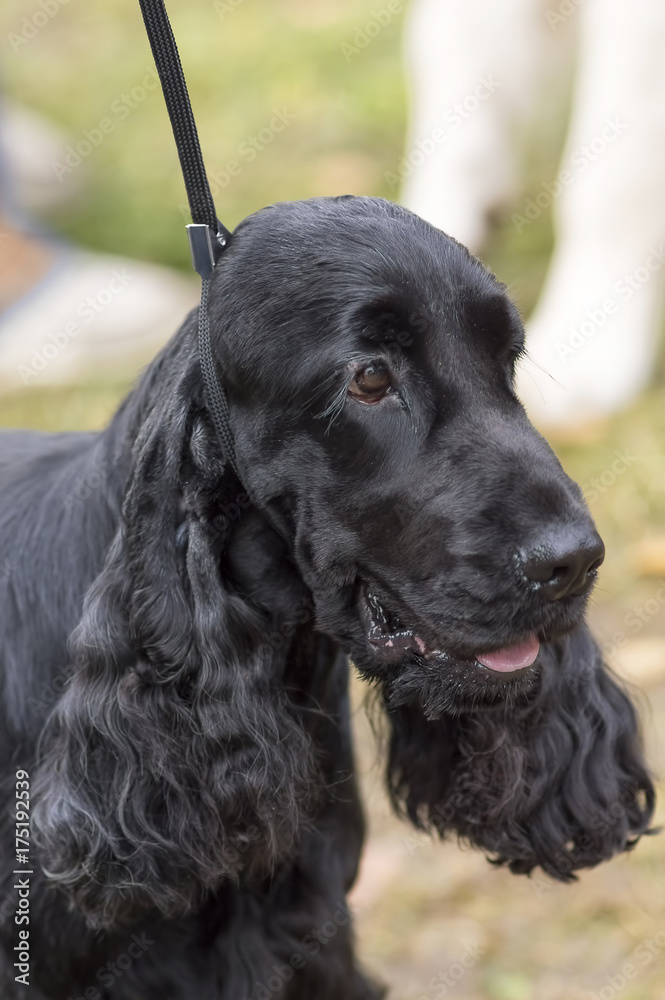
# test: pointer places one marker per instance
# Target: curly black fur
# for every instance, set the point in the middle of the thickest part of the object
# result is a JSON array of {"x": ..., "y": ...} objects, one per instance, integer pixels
[
  {"x": 173, "y": 643},
  {"x": 554, "y": 781},
  {"x": 175, "y": 730}
]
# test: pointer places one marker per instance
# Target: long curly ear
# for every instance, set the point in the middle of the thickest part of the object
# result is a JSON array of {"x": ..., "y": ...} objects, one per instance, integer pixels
[
  {"x": 557, "y": 782},
  {"x": 172, "y": 761}
]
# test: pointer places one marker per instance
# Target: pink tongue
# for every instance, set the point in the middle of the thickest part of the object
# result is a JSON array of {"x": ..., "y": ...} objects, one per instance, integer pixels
[{"x": 512, "y": 657}]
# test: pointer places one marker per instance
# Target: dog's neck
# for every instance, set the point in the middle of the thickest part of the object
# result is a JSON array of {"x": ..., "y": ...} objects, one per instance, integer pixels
[{"x": 254, "y": 556}]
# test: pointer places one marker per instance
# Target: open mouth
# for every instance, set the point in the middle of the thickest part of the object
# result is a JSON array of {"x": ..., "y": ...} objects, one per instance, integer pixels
[{"x": 388, "y": 635}]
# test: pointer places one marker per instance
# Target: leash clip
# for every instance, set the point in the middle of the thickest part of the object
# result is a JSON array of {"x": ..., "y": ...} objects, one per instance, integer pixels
[{"x": 206, "y": 247}]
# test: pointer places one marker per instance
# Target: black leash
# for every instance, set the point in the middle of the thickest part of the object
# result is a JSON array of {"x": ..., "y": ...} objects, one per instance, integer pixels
[{"x": 208, "y": 238}]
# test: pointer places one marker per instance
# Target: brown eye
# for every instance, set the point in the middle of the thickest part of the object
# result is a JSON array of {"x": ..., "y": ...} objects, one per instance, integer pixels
[{"x": 371, "y": 383}]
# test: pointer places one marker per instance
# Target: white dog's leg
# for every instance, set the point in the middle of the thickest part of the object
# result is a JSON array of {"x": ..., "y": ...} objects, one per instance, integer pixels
[
  {"x": 595, "y": 327},
  {"x": 473, "y": 66}
]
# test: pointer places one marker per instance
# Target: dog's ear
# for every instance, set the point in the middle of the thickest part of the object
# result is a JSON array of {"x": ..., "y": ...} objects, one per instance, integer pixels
[
  {"x": 172, "y": 761},
  {"x": 558, "y": 781}
]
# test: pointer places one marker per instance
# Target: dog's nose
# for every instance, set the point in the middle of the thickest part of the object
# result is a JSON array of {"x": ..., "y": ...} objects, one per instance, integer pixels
[{"x": 563, "y": 561}]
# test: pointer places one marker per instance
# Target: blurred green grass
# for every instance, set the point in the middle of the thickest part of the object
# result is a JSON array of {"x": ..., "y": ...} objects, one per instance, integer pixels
[
  {"x": 347, "y": 132},
  {"x": 243, "y": 60},
  {"x": 257, "y": 56}
]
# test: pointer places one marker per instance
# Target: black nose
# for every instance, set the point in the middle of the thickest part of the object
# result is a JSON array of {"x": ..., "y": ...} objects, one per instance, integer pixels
[{"x": 564, "y": 560}]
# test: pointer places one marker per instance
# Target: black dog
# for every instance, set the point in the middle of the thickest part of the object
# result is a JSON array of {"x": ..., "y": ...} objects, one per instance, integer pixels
[{"x": 195, "y": 817}]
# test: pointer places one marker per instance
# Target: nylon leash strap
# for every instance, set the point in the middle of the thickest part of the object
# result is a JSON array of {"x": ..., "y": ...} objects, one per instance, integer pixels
[{"x": 208, "y": 238}]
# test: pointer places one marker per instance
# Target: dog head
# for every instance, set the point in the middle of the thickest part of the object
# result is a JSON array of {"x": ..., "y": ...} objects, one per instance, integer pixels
[{"x": 376, "y": 421}]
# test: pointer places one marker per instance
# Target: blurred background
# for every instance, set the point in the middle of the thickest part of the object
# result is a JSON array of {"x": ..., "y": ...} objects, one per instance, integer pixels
[{"x": 296, "y": 98}]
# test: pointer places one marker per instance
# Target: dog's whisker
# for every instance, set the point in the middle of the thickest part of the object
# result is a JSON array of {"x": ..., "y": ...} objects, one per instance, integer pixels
[{"x": 527, "y": 359}]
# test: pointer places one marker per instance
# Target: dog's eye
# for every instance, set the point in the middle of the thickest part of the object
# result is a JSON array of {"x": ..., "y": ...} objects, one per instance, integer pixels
[{"x": 371, "y": 383}]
